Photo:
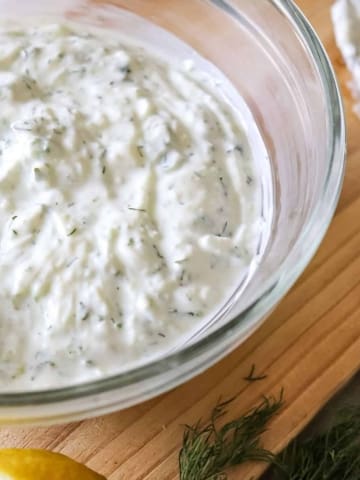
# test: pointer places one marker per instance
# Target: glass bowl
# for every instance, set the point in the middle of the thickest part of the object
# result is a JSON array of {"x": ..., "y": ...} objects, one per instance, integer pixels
[{"x": 275, "y": 60}]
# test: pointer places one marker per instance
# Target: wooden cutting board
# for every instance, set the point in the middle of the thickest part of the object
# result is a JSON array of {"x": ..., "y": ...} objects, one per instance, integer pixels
[{"x": 310, "y": 346}]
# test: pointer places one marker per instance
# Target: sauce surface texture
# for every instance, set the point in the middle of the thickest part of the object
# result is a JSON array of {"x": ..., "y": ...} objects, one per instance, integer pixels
[{"x": 129, "y": 205}]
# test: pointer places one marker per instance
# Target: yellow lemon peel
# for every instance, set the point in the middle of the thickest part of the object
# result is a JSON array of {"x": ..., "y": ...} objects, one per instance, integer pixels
[{"x": 30, "y": 464}]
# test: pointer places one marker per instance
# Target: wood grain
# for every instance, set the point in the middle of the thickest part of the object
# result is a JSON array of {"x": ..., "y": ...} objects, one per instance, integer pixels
[{"x": 310, "y": 346}]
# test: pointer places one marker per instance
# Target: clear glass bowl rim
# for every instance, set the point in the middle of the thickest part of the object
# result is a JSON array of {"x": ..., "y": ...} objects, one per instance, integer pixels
[{"x": 277, "y": 285}]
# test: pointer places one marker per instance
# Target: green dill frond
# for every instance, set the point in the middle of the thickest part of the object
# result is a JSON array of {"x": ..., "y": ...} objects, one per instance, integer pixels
[
  {"x": 333, "y": 455},
  {"x": 209, "y": 449}
]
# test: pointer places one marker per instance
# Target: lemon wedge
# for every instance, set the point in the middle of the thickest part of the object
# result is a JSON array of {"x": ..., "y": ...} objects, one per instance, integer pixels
[{"x": 20, "y": 464}]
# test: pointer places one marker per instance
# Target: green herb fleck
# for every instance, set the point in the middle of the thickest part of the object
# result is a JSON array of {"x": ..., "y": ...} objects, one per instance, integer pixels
[
  {"x": 249, "y": 180},
  {"x": 223, "y": 186},
  {"x": 126, "y": 70},
  {"x": 74, "y": 230},
  {"x": 182, "y": 277},
  {"x": 28, "y": 85},
  {"x": 85, "y": 317},
  {"x": 140, "y": 150},
  {"x": 223, "y": 231},
  {"x": 157, "y": 251},
  {"x": 142, "y": 210},
  {"x": 194, "y": 314},
  {"x": 251, "y": 377}
]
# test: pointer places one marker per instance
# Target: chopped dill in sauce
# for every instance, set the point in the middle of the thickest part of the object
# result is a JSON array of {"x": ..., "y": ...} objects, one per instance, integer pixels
[{"x": 129, "y": 211}]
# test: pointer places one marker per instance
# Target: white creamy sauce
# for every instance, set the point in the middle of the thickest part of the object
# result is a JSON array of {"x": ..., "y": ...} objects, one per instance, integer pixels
[
  {"x": 346, "y": 20},
  {"x": 129, "y": 204}
]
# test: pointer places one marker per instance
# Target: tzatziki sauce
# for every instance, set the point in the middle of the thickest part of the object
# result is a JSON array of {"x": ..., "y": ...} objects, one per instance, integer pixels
[{"x": 130, "y": 204}]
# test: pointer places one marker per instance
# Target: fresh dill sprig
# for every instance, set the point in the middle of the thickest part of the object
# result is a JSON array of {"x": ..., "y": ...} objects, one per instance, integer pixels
[
  {"x": 209, "y": 450},
  {"x": 332, "y": 455}
]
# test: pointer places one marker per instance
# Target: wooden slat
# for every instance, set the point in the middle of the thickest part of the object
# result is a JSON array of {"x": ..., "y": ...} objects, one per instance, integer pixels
[{"x": 310, "y": 346}]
